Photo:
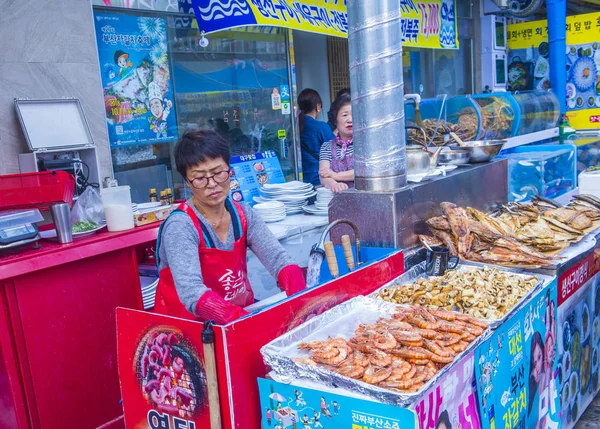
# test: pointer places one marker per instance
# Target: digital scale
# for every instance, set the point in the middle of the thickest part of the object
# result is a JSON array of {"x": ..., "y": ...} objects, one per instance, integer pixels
[{"x": 17, "y": 228}]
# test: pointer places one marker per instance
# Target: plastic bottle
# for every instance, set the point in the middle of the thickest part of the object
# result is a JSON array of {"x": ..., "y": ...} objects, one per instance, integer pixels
[{"x": 153, "y": 197}]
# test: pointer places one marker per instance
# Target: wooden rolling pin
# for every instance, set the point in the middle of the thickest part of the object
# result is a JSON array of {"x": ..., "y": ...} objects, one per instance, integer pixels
[
  {"x": 331, "y": 260},
  {"x": 210, "y": 365},
  {"x": 348, "y": 252}
]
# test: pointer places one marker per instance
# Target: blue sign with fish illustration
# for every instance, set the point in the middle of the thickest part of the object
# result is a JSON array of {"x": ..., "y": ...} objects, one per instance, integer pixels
[
  {"x": 516, "y": 368},
  {"x": 286, "y": 406},
  {"x": 138, "y": 92}
]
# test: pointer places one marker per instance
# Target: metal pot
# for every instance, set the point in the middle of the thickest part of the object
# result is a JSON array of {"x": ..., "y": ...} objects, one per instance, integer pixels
[{"x": 419, "y": 160}]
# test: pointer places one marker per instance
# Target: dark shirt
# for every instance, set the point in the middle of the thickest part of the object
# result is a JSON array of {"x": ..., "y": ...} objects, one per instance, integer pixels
[{"x": 314, "y": 134}]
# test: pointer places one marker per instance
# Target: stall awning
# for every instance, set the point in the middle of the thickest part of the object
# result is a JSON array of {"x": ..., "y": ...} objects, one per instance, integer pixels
[{"x": 425, "y": 24}]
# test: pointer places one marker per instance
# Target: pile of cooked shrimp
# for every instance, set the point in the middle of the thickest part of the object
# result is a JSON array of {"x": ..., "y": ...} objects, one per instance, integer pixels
[{"x": 399, "y": 353}]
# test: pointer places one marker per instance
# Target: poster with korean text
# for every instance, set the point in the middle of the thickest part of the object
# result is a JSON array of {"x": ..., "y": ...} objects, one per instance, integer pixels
[
  {"x": 529, "y": 64},
  {"x": 452, "y": 401},
  {"x": 249, "y": 172},
  {"x": 285, "y": 406},
  {"x": 138, "y": 91},
  {"x": 516, "y": 368},
  {"x": 579, "y": 339}
]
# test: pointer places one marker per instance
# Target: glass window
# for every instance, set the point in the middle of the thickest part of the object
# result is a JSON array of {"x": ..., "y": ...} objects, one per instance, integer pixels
[
  {"x": 235, "y": 82},
  {"x": 235, "y": 85}
]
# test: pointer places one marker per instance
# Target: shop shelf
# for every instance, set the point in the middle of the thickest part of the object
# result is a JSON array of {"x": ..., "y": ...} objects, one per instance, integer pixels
[
  {"x": 547, "y": 170},
  {"x": 36, "y": 190}
]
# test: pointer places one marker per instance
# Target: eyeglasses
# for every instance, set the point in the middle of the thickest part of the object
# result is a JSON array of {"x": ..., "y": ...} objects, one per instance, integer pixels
[{"x": 202, "y": 182}]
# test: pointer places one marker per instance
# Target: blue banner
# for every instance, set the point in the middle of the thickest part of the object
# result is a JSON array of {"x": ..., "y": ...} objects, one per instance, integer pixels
[
  {"x": 285, "y": 406},
  {"x": 138, "y": 92},
  {"x": 516, "y": 368}
]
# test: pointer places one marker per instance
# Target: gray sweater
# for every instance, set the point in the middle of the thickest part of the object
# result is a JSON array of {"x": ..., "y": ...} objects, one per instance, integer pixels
[{"x": 179, "y": 251}]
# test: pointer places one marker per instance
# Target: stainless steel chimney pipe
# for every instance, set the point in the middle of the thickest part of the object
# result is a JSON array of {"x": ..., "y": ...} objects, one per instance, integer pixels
[{"x": 375, "y": 44}]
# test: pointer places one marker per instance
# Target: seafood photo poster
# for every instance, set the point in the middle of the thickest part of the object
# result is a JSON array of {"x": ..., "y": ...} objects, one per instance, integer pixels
[
  {"x": 161, "y": 370},
  {"x": 452, "y": 400},
  {"x": 136, "y": 79},
  {"x": 516, "y": 368},
  {"x": 579, "y": 339},
  {"x": 285, "y": 406},
  {"x": 529, "y": 66},
  {"x": 249, "y": 172}
]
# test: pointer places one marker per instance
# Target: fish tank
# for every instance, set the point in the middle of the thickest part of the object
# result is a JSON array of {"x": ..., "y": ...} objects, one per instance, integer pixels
[
  {"x": 491, "y": 116},
  {"x": 546, "y": 170}
]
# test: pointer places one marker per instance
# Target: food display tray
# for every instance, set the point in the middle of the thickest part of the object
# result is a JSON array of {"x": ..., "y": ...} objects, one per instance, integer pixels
[
  {"x": 418, "y": 271},
  {"x": 341, "y": 322}
]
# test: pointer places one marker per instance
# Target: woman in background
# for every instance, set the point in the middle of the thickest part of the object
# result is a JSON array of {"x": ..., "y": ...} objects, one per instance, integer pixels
[
  {"x": 313, "y": 133},
  {"x": 331, "y": 115},
  {"x": 336, "y": 162}
]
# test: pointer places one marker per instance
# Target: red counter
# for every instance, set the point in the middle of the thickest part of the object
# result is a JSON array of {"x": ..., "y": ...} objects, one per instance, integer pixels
[{"x": 58, "y": 348}]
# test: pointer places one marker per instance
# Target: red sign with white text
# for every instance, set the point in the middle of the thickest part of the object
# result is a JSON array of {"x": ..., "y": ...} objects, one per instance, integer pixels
[
  {"x": 161, "y": 369},
  {"x": 578, "y": 275}
]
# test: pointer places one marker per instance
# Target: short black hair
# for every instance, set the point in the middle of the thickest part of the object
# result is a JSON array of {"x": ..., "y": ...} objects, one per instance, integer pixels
[
  {"x": 308, "y": 100},
  {"x": 445, "y": 419},
  {"x": 336, "y": 106},
  {"x": 343, "y": 91},
  {"x": 197, "y": 146}
]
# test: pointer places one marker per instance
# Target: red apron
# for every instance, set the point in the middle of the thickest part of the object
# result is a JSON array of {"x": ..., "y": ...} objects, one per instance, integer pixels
[{"x": 223, "y": 271}]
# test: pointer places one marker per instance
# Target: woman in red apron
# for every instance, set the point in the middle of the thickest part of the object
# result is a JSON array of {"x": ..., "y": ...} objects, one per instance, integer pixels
[
  {"x": 202, "y": 245},
  {"x": 336, "y": 160}
]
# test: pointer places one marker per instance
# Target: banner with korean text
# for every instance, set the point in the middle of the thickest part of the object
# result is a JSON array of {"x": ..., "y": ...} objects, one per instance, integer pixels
[
  {"x": 529, "y": 64},
  {"x": 425, "y": 24}
]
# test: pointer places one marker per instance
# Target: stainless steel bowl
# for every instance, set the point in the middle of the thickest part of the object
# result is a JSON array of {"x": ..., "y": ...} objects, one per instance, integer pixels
[
  {"x": 454, "y": 156},
  {"x": 483, "y": 150}
]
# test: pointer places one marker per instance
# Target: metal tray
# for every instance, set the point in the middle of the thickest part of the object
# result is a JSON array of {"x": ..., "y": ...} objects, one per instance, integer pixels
[
  {"x": 418, "y": 271},
  {"x": 342, "y": 321}
]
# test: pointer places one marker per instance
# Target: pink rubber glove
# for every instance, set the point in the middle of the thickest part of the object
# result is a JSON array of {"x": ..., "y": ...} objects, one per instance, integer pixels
[
  {"x": 291, "y": 279},
  {"x": 211, "y": 306}
]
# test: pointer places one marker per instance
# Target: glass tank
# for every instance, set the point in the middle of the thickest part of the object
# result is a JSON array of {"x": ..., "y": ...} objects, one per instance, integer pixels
[
  {"x": 492, "y": 116},
  {"x": 546, "y": 170}
]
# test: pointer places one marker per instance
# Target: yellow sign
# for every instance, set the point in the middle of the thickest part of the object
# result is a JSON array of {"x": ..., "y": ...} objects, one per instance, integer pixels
[
  {"x": 581, "y": 29},
  {"x": 281, "y": 134},
  {"x": 425, "y": 23},
  {"x": 584, "y": 119}
]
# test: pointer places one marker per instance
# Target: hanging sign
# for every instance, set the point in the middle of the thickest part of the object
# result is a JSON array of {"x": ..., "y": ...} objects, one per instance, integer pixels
[
  {"x": 529, "y": 67},
  {"x": 426, "y": 24},
  {"x": 138, "y": 92}
]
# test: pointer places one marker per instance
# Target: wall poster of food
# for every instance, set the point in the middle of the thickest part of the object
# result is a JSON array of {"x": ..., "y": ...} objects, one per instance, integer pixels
[
  {"x": 529, "y": 66},
  {"x": 579, "y": 340}
]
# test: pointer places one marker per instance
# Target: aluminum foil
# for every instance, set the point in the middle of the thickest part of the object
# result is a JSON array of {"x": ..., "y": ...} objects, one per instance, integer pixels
[
  {"x": 418, "y": 271},
  {"x": 342, "y": 321}
]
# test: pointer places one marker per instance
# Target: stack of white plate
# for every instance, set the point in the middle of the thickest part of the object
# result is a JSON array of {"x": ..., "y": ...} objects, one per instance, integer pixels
[
  {"x": 321, "y": 207},
  {"x": 293, "y": 195},
  {"x": 272, "y": 211},
  {"x": 149, "y": 294}
]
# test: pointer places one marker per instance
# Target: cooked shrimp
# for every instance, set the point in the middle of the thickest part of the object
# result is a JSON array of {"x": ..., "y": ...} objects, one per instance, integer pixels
[
  {"x": 374, "y": 375},
  {"x": 380, "y": 359},
  {"x": 419, "y": 361},
  {"x": 423, "y": 324},
  {"x": 306, "y": 361},
  {"x": 397, "y": 384},
  {"x": 406, "y": 335},
  {"x": 352, "y": 371},
  {"x": 436, "y": 349},
  {"x": 385, "y": 341},
  {"x": 411, "y": 352}
]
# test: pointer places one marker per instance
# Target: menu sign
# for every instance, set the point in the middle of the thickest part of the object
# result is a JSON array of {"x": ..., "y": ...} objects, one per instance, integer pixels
[{"x": 249, "y": 172}]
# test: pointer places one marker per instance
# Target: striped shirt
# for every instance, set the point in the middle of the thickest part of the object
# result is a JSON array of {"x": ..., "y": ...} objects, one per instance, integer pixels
[{"x": 325, "y": 154}]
